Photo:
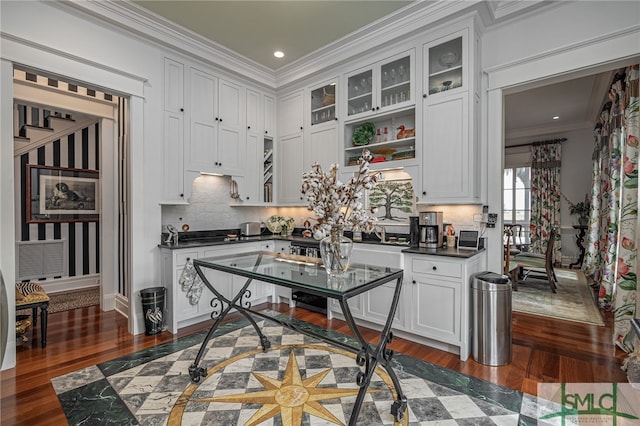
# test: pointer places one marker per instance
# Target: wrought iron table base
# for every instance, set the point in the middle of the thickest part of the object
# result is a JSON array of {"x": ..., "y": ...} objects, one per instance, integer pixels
[{"x": 367, "y": 357}]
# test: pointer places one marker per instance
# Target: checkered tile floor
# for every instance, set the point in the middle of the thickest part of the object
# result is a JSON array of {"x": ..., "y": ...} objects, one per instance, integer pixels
[{"x": 150, "y": 390}]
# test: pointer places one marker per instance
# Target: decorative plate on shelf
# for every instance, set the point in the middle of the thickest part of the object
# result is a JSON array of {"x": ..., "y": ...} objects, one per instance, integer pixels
[{"x": 363, "y": 134}]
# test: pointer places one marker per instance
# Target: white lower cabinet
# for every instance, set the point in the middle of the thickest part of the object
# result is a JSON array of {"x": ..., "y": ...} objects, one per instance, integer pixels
[
  {"x": 373, "y": 306},
  {"x": 180, "y": 312},
  {"x": 439, "y": 299}
]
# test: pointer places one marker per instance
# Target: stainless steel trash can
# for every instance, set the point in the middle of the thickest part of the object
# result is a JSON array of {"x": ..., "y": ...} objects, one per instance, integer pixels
[{"x": 491, "y": 302}]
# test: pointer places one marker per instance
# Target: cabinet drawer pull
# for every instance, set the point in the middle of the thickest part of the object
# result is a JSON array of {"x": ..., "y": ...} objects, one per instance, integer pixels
[{"x": 434, "y": 268}]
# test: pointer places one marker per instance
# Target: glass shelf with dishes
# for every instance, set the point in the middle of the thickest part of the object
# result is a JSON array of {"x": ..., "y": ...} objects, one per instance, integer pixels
[
  {"x": 323, "y": 104},
  {"x": 389, "y": 137},
  {"x": 446, "y": 66},
  {"x": 381, "y": 87}
]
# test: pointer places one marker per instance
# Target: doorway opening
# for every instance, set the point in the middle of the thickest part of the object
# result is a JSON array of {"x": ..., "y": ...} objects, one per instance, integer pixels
[{"x": 62, "y": 125}]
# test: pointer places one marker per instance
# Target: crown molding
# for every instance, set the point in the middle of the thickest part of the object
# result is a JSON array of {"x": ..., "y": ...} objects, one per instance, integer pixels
[
  {"x": 402, "y": 24},
  {"x": 539, "y": 131},
  {"x": 151, "y": 27}
]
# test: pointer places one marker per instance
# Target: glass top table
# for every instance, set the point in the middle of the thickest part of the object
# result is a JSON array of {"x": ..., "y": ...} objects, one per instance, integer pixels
[{"x": 308, "y": 274}]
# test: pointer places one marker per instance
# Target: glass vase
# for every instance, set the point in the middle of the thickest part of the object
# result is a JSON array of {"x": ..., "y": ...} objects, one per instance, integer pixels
[{"x": 335, "y": 250}]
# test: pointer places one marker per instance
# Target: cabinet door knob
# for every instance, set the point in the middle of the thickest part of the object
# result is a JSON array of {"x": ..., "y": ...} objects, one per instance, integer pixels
[
  {"x": 300, "y": 127},
  {"x": 181, "y": 195},
  {"x": 377, "y": 108},
  {"x": 221, "y": 120},
  {"x": 265, "y": 132},
  {"x": 249, "y": 127},
  {"x": 373, "y": 109},
  {"x": 424, "y": 192},
  {"x": 424, "y": 95},
  {"x": 247, "y": 198},
  {"x": 434, "y": 268},
  {"x": 217, "y": 119},
  {"x": 181, "y": 109},
  {"x": 336, "y": 118},
  {"x": 188, "y": 259},
  {"x": 413, "y": 281}
]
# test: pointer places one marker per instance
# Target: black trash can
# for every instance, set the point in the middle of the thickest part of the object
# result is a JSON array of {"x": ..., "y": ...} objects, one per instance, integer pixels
[
  {"x": 491, "y": 301},
  {"x": 153, "y": 309}
]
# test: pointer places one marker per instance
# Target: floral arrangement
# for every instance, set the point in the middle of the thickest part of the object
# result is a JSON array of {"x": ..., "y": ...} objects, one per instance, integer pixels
[
  {"x": 338, "y": 204},
  {"x": 277, "y": 223},
  {"x": 580, "y": 209}
]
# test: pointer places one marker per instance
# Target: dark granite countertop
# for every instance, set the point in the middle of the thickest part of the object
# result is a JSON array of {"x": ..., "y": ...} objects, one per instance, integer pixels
[
  {"x": 448, "y": 252},
  {"x": 195, "y": 239}
]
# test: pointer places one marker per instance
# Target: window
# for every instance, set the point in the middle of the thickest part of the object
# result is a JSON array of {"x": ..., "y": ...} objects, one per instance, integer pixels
[{"x": 517, "y": 197}]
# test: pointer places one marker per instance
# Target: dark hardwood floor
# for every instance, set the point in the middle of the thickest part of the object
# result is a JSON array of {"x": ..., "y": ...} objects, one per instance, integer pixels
[{"x": 544, "y": 350}]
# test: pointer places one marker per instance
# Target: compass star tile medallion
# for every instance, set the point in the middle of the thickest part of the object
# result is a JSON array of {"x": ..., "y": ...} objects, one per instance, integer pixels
[{"x": 290, "y": 396}]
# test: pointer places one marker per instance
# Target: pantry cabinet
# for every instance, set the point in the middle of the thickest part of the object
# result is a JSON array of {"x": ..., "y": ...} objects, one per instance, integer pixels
[{"x": 173, "y": 188}]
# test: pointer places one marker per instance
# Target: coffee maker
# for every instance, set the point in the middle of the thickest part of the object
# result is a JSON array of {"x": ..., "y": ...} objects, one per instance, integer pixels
[{"x": 430, "y": 224}]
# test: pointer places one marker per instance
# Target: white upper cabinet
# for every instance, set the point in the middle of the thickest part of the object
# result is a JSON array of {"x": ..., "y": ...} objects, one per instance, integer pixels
[
  {"x": 173, "y": 189},
  {"x": 323, "y": 103},
  {"x": 450, "y": 145},
  {"x": 290, "y": 113},
  {"x": 290, "y": 148},
  {"x": 217, "y": 141},
  {"x": 253, "y": 111},
  {"x": 383, "y": 86},
  {"x": 322, "y": 139},
  {"x": 269, "y": 115}
]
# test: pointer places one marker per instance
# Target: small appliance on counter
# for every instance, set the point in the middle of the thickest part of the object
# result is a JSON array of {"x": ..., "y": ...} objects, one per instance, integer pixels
[
  {"x": 250, "y": 229},
  {"x": 430, "y": 224}
]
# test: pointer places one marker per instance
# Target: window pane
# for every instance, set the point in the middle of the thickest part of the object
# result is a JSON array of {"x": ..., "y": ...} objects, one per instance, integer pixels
[
  {"x": 508, "y": 216},
  {"x": 507, "y": 200},
  {"x": 523, "y": 177},
  {"x": 508, "y": 179},
  {"x": 522, "y": 201}
]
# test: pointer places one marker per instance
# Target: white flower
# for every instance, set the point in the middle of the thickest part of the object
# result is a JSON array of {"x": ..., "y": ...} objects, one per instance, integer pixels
[{"x": 336, "y": 203}]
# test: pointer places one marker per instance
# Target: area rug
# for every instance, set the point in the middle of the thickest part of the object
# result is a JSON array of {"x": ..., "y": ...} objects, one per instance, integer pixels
[
  {"x": 573, "y": 300},
  {"x": 65, "y": 301},
  {"x": 244, "y": 386}
]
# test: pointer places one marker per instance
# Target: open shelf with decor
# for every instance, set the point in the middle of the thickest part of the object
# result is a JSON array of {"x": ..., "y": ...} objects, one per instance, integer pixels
[
  {"x": 390, "y": 138},
  {"x": 267, "y": 170}
]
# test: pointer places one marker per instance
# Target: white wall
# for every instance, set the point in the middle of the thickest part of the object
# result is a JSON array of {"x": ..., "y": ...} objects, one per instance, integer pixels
[{"x": 568, "y": 39}]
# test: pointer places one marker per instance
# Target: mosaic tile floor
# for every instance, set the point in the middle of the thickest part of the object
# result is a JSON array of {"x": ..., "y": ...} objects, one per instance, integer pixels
[{"x": 152, "y": 387}]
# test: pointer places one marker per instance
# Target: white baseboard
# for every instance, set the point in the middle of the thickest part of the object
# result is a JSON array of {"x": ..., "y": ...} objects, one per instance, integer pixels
[
  {"x": 121, "y": 305},
  {"x": 70, "y": 283}
]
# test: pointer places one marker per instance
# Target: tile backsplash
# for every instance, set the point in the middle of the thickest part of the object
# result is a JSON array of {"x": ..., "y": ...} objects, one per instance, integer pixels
[{"x": 209, "y": 209}]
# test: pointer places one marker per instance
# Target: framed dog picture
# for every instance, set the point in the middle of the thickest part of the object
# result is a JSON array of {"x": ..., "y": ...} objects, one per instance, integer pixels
[{"x": 57, "y": 194}]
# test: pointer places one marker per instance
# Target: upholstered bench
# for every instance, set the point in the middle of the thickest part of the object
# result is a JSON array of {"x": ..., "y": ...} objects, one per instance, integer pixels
[{"x": 31, "y": 296}]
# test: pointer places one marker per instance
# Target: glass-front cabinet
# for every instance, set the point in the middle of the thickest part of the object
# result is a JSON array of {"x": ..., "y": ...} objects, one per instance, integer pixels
[
  {"x": 323, "y": 104},
  {"x": 383, "y": 86},
  {"x": 445, "y": 65}
]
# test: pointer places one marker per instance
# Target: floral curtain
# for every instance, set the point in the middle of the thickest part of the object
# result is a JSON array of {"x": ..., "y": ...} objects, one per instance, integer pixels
[
  {"x": 545, "y": 195},
  {"x": 611, "y": 255}
]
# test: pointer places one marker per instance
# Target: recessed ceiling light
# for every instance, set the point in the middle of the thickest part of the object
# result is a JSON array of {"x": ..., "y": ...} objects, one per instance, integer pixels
[
  {"x": 556, "y": 117},
  {"x": 278, "y": 54}
]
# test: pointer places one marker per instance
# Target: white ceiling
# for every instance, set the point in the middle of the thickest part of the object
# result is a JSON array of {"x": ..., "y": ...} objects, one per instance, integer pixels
[
  {"x": 255, "y": 29},
  {"x": 577, "y": 102}
]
